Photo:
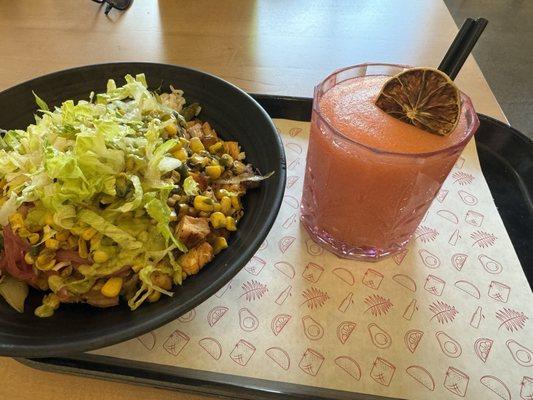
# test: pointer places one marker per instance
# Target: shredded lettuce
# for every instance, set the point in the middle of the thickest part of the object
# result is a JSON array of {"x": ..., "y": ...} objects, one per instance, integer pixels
[{"x": 190, "y": 186}]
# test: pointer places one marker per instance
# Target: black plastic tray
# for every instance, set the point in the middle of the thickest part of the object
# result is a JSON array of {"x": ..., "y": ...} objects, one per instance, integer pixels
[{"x": 506, "y": 158}]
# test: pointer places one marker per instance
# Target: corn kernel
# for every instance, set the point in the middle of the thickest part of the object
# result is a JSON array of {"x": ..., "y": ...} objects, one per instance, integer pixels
[
  {"x": 28, "y": 258},
  {"x": 216, "y": 207},
  {"x": 51, "y": 244},
  {"x": 45, "y": 266},
  {"x": 155, "y": 296},
  {"x": 176, "y": 147},
  {"x": 225, "y": 205},
  {"x": 213, "y": 171},
  {"x": 62, "y": 236},
  {"x": 24, "y": 233},
  {"x": 203, "y": 203},
  {"x": 180, "y": 154},
  {"x": 88, "y": 233},
  {"x": 82, "y": 248},
  {"x": 196, "y": 145},
  {"x": 112, "y": 287},
  {"x": 137, "y": 267},
  {"x": 16, "y": 220},
  {"x": 72, "y": 241},
  {"x": 34, "y": 238},
  {"x": 100, "y": 256},
  {"x": 226, "y": 160},
  {"x": 171, "y": 129},
  {"x": 219, "y": 244},
  {"x": 235, "y": 203},
  {"x": 95, "y": 241},
  {"x": 230, "y": 224},
  {"x": 177, "y": 278},
  {"x": 49, "y": 219},
  {"x": 218, "y": 220},
  {"x": 213, "y": 149}
]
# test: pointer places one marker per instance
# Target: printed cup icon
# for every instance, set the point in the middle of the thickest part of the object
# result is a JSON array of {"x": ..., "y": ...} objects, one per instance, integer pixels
[
  {"x": 434, "y": 285},
  {"x": 176, "y": 342},
  {"x": 456, "y": 381},
  {"x": 312, "y": 272},
  {"x": 474, "y": 218},
  {"x": 242, "y": 352},
  {"x": 382, "y": 371},
  {"x": 526, "y": 388},
  {"x": 255, "y": 265},
  {"x": 372, "y": 279},
  {"x": 499, "y": 291},
  {"x": 311, "y": 362}
]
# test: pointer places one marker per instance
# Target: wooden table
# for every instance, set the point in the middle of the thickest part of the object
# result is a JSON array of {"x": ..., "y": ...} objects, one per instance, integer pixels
[{"x": 274, "y": 47}]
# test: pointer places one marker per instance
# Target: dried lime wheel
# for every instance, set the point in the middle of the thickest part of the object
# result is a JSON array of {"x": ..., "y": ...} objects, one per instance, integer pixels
[{"x": 424, "y": 97}]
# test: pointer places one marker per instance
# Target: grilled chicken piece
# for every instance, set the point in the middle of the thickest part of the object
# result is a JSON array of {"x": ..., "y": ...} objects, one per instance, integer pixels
[{"x": 196, "y": 258}]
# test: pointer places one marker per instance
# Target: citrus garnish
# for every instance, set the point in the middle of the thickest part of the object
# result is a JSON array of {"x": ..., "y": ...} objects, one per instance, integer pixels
[{"x": 424, "y": 97}]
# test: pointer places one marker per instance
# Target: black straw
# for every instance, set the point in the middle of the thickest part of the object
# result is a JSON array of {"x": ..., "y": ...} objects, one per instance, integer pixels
[{"x": 462, "y": 46}]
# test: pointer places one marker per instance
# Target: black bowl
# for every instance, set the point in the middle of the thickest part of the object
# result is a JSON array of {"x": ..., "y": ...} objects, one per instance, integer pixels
[{"x": 234, "y": 114}]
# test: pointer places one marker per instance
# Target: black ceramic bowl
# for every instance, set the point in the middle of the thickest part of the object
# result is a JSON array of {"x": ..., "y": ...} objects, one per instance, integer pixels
[{"x": 235, "y": 115}]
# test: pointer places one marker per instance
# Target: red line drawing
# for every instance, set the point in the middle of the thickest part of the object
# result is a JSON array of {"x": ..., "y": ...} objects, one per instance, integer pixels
[
  {"x": 242, "y": 352},
  {"x": 253, "y": 290},
  {"x": 380, "y": 338},
  {"x": 442, "y": 195},
  {"x": 344, "y": 275},
  {"x": 459, "y": 260},
  {"x": 410, "y": 310},
  {"x": 188, "y": 317},
  {"x": 382, "y": 371},
  {"x": 294, "y": 164},
  {"x": 247, "y": 320},
  {"x": 312, "y": 272},
  {"x": 255, "y": 265},
  {"x": 378, "y": 305},
  {"x": 211, "y": 346},
  {"x": 372, "y": 279},
  {"x": 285, "y": 242},
  {"x": 449, "y": 346},
  {"x": 349, "y": 365},
  {"x": 175, "y": 343},
  {"x": 398, "y": 258},
  {"x": 295, "y": 147},
  {"x": 295, "y": 132},
  {"x": 421, "y": 375},
  {"x": 456, "y": 381},
  {"x": 499, "y": 291},
  {"x": 405, "y": 281},
  {"x": 278, "y": 323},
  {"x": 291, "y": 181},
  {"x": 434, "y": 285},
  {"x": 491, "y": 265},
  {"x": 468, "y": 288},
  {"x": 462, "y": 178},
  {"x": 283, "y": 295},
  {"x": 216, "y": 314},
  {"x": 497, "y": 386},
  {"x": 443, "y": 312},
  {"x": 285, "y": 268},
  {"x": 314, "y": 298},
  {"x": 482, "y": 347},
  {"x": 468, "y": 198},
  {"x": 290, "y": 221},
  {"x": 291, "y": 201},
  {"x": 475, "y": 320},
  {"x": 426, "y": 234},
  {"x": 313, "y": 248},
  {"x": 459, "y": 163},
  {"x": 311, "y": 362},
  {"x": 344, "y": 330},
  {"x": 474, "y": 218},
  {"x": 448, "y": 215},
  {"x": 312, "y": 329},
  {"x": 520, "y": 353},
  {"x": 454, "y": 237},
  {"x": 279, "y": 356},
  {"x": 430, "y": 260},
  {"x": 483, "y": 239},
  {"x": 264, "y": 245},
  {"x": 526, "y": 388},
  {"x": 511, "y": 319},
  {"x": 412, "y": 339},
  {"x": 346, "y": 303},
  {"x": 224, "y": 289},
  {"x": 147, "y": 340}
]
